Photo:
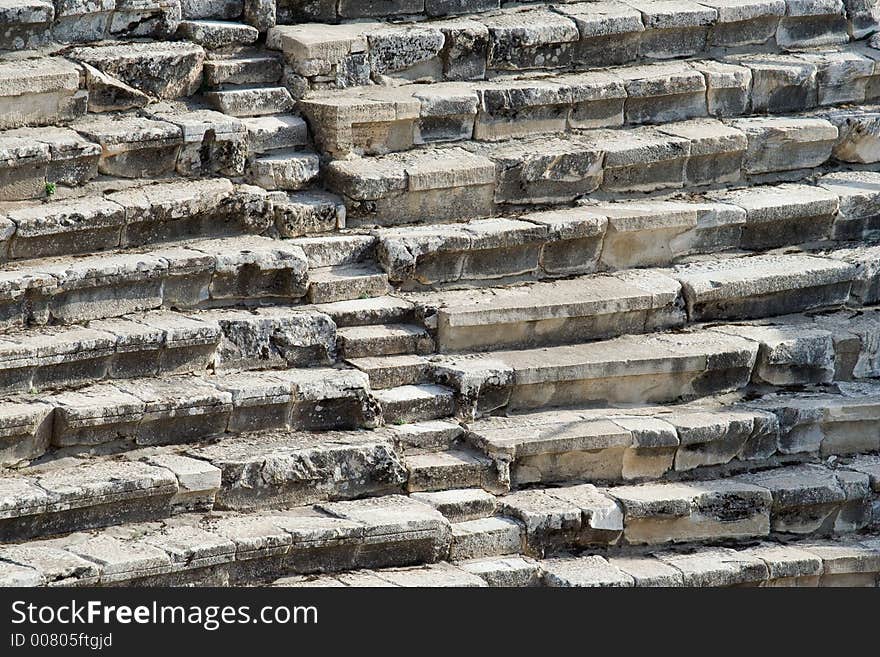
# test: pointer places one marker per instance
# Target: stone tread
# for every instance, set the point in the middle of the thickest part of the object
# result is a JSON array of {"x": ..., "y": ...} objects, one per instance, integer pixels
[{"x": 510, "y": 106}]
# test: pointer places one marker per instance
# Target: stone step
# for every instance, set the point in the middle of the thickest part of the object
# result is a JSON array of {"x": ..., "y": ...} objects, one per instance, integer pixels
[
  {"x": 612, "y": 235},
  {"x": 36, "y": 160},
  {"x": 25, "y": 24},
  {"x": 81, "y": 494},
  {"x": 840, "y": 562},
  {"x": 40, "y": 91},
  {"x": 680, "y": 441},
  {"x": 810, "y": 563},
  {"x": 547, "y": 39},
  {"x": 346, "y": 282},
  {"x": 211, "y": 9},
  {"x": 635, "y": 301},
  {"x": 237, "y": 548},
  {"x": 165, "y": 342},
  {"x": 299, "y": 214},
  {"x": 284, "y": 169},
  {"x": 185, "y": 274},
  {"x": 455, "y": 468},
  {"x": 375, "y": 120},
  {"x": 428, "y": 436},
  {"x": 802, "y": 500},
  {"x": 122, "y": 414},
  {"x": 393, "y": 371},
  {"x": 558, "y": 312},
  {"x": 158, "y": 69},
  {"x": 449, "y": 470},
  {"x": 660, "y": 367},
  {"x": 246, "y": 68},
  {"x": 336, "y": 249},
  {"x": 251, "y": 101},
  {"x": 274, "y": 132},
  {"x": 484, "y": 538},
  {"x": 283, "y": 468},
  {"x": 453, "y": 184},
  {"x": 136, "y": 216},
  {"x": 369, "y": 312},
  {"x": 383, "y": 340},
  {"x": 214, "y": 35},
  {"x": 415, "y": 404},
  {"x": 461, "y": 504}
]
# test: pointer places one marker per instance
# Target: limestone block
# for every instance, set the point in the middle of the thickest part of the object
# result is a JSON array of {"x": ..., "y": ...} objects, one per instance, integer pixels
[
  {"x": 716, "y": 567},
  {"x": 681, "y": 512},
  {"x": 164, "y": 70},
  {"x": 729, "y": 87},
  {"x": 286, "y": 468},
  {"x": 590, "y": 571},
  {"x": 25, "y": 431},
  {"x": 411, "y": 52},
  {"x": 744, "y": 22},
  {"x": 812, "y": 23},
  {"x": 810, "y": 499},
  {"x": 530, "y": 39},
  {"x": 804, "y": 142},
  {"x": 649, "y": 233},
  {"x": 662, "y": 92},
  {"x": 133, "y": 147},
  {"x": 716, "y": 154},
  {"x": 610, "y": 32},
  {"x": 37, "y": 92},
  {"x": 859, "y": 204},
  {"x": 763, "y": 286},
  {"x": 673, "y": 28},
  {"x": 780, "y": 215},
  {"x": 548, "y": 170}
]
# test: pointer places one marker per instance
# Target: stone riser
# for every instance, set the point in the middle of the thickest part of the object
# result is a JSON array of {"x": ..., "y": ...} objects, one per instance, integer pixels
[
  {"x": 221, "y": 272},
  {"x": 638, "y": 233},
  {"x": 643, "y": 301},
  {"x": 326, "y": 56},
  {"x": 799, "y": 564},
  {"x": 678, "y": 442},
  {"x": 806, "y": 500},
  {"x": 129, "y": 413},
  {"x": 661, "y": 368},
  {"x": 66, "y": 495},
  {"x": 453, "y": 184},
  {"x": 378, "y": 120},
  {"x": 239, "y": 549}
]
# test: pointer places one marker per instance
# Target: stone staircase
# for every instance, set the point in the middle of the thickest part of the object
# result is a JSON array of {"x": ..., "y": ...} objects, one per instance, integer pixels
[{"x": 440, "y": 293}]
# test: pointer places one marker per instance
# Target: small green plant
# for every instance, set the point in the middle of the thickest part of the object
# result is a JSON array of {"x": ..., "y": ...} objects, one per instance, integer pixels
[
  {"x": 399, "y": 422},
  {"x": 51, "y": 189}
]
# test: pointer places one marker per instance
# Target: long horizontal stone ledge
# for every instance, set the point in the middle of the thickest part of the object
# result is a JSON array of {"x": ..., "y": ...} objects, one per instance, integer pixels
[
  {"x": 63, "y": 497},
  {"x": 655, "y": 442},
  {"x": 130, "y": 413},
  {"x": 36, "y": 23},
  {"x": 34, "y": 161},
  {"x": 137, "y": 215},
  {"x": 562, "y": 37},
  {"x": 185, "y": 274},
  {"x": 375, "y": 120},
  {"x": 269, "y": 469},
  {"x": 618, "y": 235},
  {"x": 801, "y": 500},
  {"x": 634, "y": 301},
  {"x": 793, "y": 350},
  {"x": 808, "y": 563},
  {"x": 237, "y": 548},
  {"x": 167, "y": 342},
  {"x": 660, "y": 367},
  {"x": 473, "y": 180}
]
